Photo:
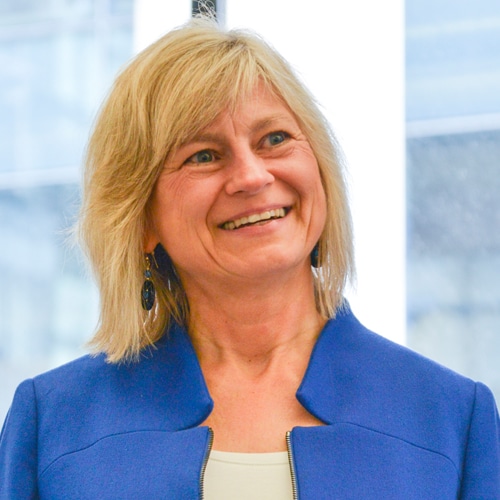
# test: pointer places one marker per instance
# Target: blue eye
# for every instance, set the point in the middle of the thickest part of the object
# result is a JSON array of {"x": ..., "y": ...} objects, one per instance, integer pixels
[
  {"x": 276, "y": 138},
  {"x": 204, "y": 156}
]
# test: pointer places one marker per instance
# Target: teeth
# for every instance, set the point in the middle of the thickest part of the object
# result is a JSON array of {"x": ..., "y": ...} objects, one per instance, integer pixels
[{"x": 254, "y": 218}]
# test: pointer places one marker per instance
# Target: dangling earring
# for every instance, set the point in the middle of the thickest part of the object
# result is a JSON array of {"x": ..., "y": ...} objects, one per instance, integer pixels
[
  {"x": 148, "y": 288},
  {"x": 315, "y": 256}
]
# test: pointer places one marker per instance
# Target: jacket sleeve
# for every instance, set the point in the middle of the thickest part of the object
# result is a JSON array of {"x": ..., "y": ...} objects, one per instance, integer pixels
[
  {"x": 481, "y": 474},
  {"x": 18, "y": 447}
]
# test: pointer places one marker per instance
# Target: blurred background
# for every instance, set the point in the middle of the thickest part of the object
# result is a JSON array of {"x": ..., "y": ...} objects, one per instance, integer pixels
[{"x": 412, "y": 89}]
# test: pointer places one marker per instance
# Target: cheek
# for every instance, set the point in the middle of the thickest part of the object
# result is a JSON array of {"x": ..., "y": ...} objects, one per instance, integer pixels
[
  {"x": 320, "y": 207},
  {"x": 319, "y": 203},
  {"x": 312, "y": 182},
  {"x": 170, "y": 195},
  {"x": 181, "y": 206}
]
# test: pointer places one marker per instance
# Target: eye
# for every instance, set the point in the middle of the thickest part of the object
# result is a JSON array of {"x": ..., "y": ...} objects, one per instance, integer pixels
[
  {"x": 275, "y": 138},
  {"x": 204, "y": 156}
]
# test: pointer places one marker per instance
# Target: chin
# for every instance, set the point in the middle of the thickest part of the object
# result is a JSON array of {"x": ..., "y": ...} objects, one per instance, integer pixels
[{"x": 272, "y": 266}]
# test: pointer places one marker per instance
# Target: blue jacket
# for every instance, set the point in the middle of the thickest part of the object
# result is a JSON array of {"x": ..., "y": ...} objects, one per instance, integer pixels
[{"x": 398, "y": 426}]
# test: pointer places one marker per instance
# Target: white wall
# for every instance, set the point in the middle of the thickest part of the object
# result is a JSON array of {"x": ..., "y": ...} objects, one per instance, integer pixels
[
  {"x": 351, "y": 55},
  {"x": 153, "y": 18}
]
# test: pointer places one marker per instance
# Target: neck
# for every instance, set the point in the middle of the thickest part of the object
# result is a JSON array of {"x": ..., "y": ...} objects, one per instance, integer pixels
[{"x": 251, "y": 323}]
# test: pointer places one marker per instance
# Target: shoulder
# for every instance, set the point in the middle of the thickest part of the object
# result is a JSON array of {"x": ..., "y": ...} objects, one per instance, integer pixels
[
  {"x": 56, "y": 388},
  {"x": 352, "y": 348},
  {"x": 92, "y": 378},
  {"x": 358, "y": 376},
  {"x": 92, "y": 384},
  {"x": 40, "y": 409},
  {"x": 78, "y": 404},
  {"x": 69, "y": 375}
]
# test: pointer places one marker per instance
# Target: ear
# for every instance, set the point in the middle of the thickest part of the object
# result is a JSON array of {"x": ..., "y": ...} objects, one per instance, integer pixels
[{"x": 151, "y": 239}]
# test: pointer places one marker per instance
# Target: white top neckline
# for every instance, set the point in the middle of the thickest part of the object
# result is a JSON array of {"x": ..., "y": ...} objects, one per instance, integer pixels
[
  {"x": 278, "y": 457},
  {"x": 247, "y": 476}
]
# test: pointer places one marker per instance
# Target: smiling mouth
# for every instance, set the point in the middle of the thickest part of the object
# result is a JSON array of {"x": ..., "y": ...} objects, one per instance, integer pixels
[{"x": 255, "y": 219}]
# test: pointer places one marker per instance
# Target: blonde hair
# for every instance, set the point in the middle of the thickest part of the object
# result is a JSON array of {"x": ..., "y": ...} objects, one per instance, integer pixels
[{"x": 168, "y": 93}]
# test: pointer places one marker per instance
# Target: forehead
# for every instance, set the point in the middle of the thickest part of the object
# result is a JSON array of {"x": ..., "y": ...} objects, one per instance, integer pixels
[{"x": 256, "y": 110}]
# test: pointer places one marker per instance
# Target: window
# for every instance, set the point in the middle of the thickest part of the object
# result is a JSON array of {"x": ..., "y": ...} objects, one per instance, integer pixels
[
  {"x": 58, "y": 59},
  {"x": 453, "y": 151}
]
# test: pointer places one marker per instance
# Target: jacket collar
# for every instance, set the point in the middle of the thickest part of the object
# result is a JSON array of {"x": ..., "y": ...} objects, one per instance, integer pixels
[
  {"x": 188, "y": 402},
  {"x": 321, "y": 390},
  {"x": 175, "y": 377}
]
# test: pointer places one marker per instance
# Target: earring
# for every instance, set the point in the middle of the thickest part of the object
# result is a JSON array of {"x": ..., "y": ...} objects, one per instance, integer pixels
[
  {"x": 148, "y": 288},
  {"x": 315, "y": 256}
]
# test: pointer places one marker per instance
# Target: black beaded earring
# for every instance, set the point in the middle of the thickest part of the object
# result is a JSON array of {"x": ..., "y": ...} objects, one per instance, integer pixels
[
  {"x": 315, "y": 256},
  {"x": 148, "y": 288}
]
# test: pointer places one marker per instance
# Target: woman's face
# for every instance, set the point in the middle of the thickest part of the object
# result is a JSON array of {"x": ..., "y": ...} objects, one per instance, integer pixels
[{"x": 243, "y": 199}]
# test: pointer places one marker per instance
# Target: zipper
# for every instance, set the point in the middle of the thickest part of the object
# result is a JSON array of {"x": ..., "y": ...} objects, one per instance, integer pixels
[
  {"x": 290, "y": 463},
  {"x": 292, "y": 466},
  {"x": 205, "y": 462}
]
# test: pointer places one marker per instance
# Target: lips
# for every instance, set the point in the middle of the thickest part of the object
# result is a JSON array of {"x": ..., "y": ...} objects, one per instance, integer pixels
[{"x": 250, "y": 220}]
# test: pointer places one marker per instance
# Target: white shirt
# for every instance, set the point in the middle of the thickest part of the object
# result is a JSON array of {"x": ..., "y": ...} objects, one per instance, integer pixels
[{"x": 248, "y": 476}]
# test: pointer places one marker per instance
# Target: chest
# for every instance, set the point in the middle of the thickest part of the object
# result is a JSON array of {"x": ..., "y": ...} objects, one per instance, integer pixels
[
  {"x": 256, "y": 422},
  {"x": 330, "y": 462},
  {"x": 254, "y": 415}
]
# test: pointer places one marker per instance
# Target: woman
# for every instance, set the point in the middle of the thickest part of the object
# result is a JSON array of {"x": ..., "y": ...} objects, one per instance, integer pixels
[{"x": 229, "y": 365}]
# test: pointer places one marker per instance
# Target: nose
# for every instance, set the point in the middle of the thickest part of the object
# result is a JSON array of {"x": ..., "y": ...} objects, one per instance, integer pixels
[{"x": 248, "y": 173}]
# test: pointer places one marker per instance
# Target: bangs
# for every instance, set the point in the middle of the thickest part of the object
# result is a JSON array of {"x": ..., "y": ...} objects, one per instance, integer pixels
[{"x": 218, "y": 79}]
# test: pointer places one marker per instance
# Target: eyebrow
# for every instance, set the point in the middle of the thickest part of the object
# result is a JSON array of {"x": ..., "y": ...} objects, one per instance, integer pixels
[
  {"x": 270, "y": 120},
  {"x": 255, "y": 127}
]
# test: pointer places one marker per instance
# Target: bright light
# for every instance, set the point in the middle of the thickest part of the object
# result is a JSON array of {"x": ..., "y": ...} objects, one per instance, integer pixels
[
  {"x": 351, "y": 56},
  {"x": 153, "y": 18}
]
